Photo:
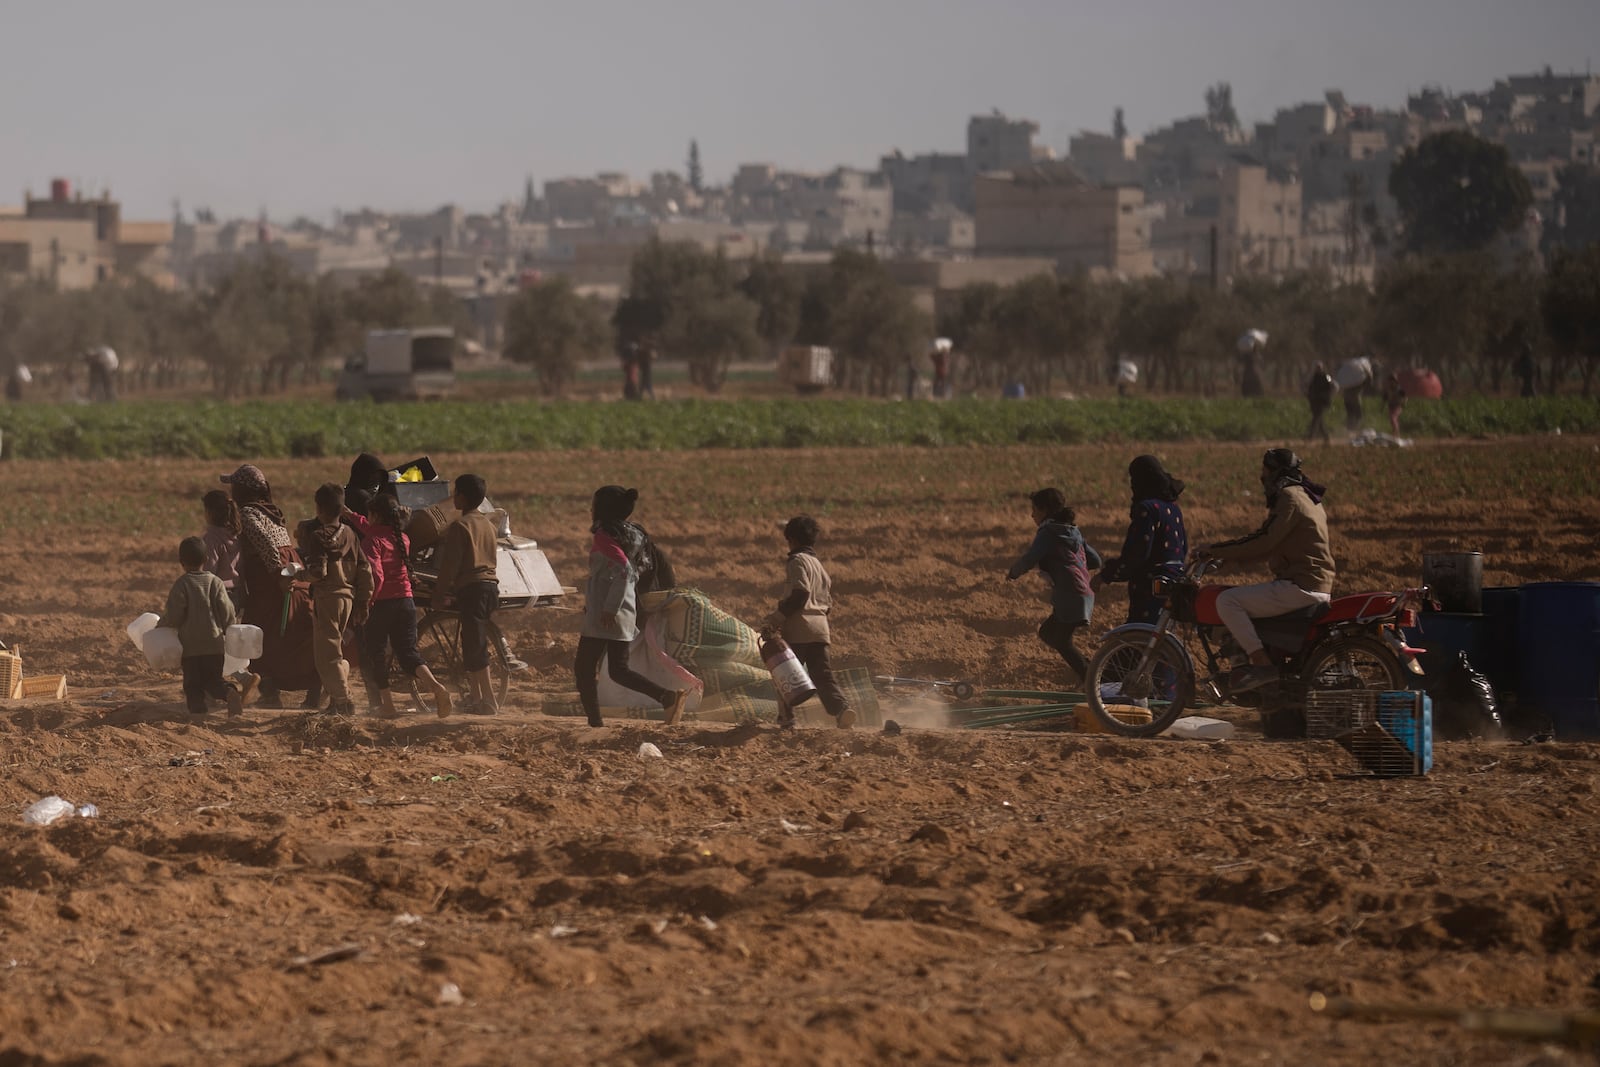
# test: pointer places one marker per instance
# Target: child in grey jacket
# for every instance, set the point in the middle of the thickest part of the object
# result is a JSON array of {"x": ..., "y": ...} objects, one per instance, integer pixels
[{"x": 199, "y": 609}]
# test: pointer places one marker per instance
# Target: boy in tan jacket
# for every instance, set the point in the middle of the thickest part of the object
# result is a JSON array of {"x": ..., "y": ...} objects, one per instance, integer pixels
[{"x": 802, "y": 620}]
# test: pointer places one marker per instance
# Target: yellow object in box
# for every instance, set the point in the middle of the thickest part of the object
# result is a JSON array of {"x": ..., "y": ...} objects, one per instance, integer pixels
[
  {"x": 10, "y": 675},
  {"x": 410, "y": 474},
  {"x": 1084, "y": 721}
]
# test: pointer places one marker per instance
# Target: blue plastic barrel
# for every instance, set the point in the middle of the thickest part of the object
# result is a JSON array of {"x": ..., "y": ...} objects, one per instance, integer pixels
[
  {"x": 1558, "y": 663},
  {"x": 1501, "y": 604}
]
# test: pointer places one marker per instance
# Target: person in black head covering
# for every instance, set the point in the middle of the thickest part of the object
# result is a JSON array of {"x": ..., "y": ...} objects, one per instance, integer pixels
[
  {"x": 611, "y": 607},
  {"x": 1156, "y": 543},
  {"x": 367, "y": 475},
  {"x": 1293, "y": 543}
]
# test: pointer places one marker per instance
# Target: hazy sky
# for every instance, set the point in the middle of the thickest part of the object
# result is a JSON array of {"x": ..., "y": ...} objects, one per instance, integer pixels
[{"x": 304, "y": 106}]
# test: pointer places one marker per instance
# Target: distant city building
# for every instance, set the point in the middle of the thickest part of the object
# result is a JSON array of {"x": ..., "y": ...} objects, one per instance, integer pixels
[
  {"x": 995, "y": 142},
  {"x": 75, "y": 243},
  {"x": 1049, "y": 210}
]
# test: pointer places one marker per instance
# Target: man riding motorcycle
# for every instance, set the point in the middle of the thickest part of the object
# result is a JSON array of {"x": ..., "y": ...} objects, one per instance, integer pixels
[{"x": 1294, "y": 543}]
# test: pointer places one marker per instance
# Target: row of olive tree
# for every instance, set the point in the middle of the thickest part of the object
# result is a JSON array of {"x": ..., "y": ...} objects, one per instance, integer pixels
[
  {"x": 700, "y": 307},
  {"x": 1464, "y": 316},
  {"x": 1460, "y": 316},
  {"x": 260, "y": 327}
]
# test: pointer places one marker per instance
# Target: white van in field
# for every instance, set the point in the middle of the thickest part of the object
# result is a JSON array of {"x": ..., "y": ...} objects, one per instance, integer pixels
[{"x": 416, "y": 364}]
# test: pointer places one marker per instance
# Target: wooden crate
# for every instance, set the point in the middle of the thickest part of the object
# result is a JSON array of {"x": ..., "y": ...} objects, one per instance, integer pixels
[
  {"x": 44, "y": 687},
  {"x": 10, "y": 676}
]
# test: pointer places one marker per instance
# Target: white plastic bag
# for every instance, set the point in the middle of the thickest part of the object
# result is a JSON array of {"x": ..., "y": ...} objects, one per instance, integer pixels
[
  {"x": 162, "y": 649},
  {"x": 46, "y": 811},
  {"x": 649, "y": 751}
]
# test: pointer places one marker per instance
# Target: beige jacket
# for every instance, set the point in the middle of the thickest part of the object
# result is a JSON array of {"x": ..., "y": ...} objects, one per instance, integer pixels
[
  {"x": 808, "y": 625},
  {"x": 1293, "y": 542}
]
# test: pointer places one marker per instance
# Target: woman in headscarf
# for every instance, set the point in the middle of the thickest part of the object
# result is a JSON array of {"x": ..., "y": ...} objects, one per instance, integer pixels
[
  {"x": 264, "y": 549},
  {"x": 610, "y": 617},
  {"x": 1156, "y": 543},
  {"x": 368, "y": 478}
]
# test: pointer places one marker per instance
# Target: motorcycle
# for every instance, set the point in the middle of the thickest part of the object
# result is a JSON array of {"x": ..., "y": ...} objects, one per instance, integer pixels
[{"x": 1144, "y": 677}]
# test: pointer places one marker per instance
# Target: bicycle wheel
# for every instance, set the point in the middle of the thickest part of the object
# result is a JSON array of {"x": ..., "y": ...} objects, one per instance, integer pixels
[
  {"x": 1126, "y": 671},
  {"x": 439, "y": 642}
]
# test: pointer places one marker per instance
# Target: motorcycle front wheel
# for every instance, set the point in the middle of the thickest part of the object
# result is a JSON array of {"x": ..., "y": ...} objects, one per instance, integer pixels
[
  {"x": 1127, "y": 677},
  {"x": 1355, "y": 662}
]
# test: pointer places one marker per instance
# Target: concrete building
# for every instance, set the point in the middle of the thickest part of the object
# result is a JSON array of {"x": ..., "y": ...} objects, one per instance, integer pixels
[
  {"x": 925, "y": 183},
  {"x": 852, "y": 207},
  {"x": 1190, "y": 148},
  {"x": 941, "y": 229},
  {"x": 1295, "y": 129},
  {"x": 1544, "y": 99},
  {"x": 1256, "y": 219},
  {"x": 75, "y": 243},
  {"x": 1047, "y": 210},
  {"x": 1104, "y": 159},
  {"x": 586, "y": 199},
  {"x": 1563, "y": 144},
  {"x": 995, "y": 142}
]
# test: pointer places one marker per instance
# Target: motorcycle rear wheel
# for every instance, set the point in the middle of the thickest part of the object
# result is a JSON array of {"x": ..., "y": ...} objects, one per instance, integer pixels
[
  {"x": 1165, "y": 686},
  {"x": 1354, "y": 662}
]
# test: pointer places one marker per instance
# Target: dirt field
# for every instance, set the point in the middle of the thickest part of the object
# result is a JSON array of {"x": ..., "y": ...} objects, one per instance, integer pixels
[{"x": 527, "y": 890}]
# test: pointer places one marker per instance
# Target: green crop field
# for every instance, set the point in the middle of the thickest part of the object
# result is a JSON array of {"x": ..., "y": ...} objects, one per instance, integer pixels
[{"x": 209, "y": 430}]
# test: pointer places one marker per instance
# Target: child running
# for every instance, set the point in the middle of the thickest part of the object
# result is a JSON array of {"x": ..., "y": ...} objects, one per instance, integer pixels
[
  {"x": 801, "y": 619},
  {"x": 1060, "y": 551},
  {"x": 199, "y": 609},
  {"x": 611, "y": 608},
  {"x": 392, "y": 619}
]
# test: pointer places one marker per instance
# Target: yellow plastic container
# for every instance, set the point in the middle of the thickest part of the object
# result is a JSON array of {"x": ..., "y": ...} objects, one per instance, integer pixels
[{"x": 1084, "y": 721}]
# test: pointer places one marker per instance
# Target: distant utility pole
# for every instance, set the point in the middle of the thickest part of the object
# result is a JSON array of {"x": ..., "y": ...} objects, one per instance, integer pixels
[{"x": 438, "y": 261}]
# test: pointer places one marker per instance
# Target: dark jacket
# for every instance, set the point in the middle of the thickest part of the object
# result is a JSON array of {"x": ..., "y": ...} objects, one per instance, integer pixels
[
  {"x": 1156, "y": 544},
  {"x": 1320, "y": 390},
  {"x": 1059, "y": 550}
]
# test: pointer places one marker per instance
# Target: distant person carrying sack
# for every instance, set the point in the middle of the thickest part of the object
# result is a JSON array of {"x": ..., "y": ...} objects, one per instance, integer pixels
[{"x": 1353, "y": 378}]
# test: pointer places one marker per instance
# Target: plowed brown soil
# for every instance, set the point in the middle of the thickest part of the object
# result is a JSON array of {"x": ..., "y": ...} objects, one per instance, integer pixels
[{"x": 526, "y": 890}]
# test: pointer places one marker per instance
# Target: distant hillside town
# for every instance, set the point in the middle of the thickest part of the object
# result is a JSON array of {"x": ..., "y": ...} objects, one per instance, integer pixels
[{"x": 1203, "y": 195}]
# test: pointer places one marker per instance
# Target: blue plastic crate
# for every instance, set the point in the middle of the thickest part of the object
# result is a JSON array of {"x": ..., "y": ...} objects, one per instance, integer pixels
[{"x": 1408, "y": 717}]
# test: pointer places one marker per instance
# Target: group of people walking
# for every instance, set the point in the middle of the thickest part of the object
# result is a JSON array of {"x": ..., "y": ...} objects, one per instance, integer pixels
[
  {"x": 342, "y": 580},
  {"x": 338, "y": 587},
  {"x": 1321, "y": 388},
  {"x": 1293, "y": 542}
]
